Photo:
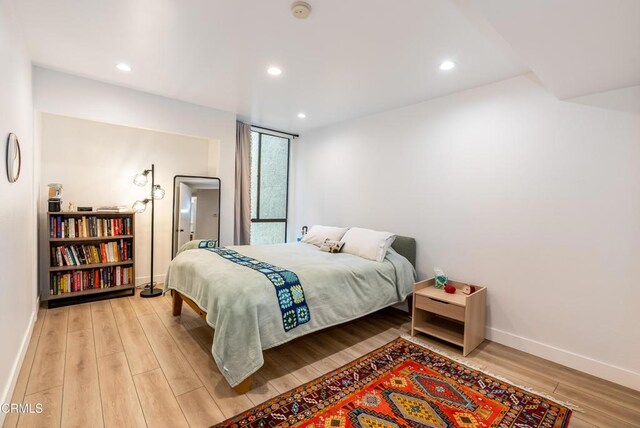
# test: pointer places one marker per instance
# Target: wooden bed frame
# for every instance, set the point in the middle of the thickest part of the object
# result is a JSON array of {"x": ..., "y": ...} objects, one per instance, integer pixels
[{"x": 403, "y": 245}]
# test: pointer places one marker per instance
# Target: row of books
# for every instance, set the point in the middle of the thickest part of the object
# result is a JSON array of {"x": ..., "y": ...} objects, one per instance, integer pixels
[
  {"x": 88, "y": 227},
  {"x": 105, "y": 252},
  {"x": 90, "y": 279}
]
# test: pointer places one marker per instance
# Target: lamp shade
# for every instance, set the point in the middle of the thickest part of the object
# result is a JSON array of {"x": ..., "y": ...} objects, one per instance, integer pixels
[
  {"x": 157, "y": 192},
  {"x": 140, "y": 179},
  {"x": 139, "y": 206}
]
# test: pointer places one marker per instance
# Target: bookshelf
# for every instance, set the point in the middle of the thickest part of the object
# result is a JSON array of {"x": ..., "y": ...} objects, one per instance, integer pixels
[{"x": 91, "y": 255}]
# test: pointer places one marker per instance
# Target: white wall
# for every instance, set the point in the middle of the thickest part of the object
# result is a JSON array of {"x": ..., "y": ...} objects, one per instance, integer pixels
[
  {"x": 508, "y": 187},
  {"x": 207, "y": 214},
  {"x": 18, "y": 259},
  {"x": 67, "y": 95},
  {"x": 96, "y": 162}
]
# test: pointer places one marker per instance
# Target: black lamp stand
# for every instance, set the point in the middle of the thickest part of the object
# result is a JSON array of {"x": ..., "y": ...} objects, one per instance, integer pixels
[{"x": 151, "y": 292}]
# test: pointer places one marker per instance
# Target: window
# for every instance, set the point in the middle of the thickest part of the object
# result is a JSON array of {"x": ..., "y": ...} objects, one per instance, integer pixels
[{"x": 269, "y": 188}]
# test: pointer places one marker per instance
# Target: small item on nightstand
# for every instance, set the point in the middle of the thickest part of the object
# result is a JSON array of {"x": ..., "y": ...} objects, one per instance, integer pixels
[
  {"x": 469, "y": 289},
  {"x": 441, "y": 279},
  {"x": 450, "y": 289},
  {"x": 72, "y": 207}
]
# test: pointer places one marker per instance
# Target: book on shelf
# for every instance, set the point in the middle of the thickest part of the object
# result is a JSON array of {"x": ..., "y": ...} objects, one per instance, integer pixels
[
  {"x": 90, "y": 251},
  {"x": 114, "y": 209},
  {"x": 89, "y": 227},
  {"x": 72, "y": 281},
  {"x": 83, "y": 254}
]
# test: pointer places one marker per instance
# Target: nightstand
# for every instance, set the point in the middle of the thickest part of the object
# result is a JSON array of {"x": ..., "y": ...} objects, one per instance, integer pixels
[{"x": 457, "y": 318}]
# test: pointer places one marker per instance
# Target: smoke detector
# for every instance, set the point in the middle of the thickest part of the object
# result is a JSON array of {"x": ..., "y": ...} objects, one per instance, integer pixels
[{"x": 300, "y": 9}]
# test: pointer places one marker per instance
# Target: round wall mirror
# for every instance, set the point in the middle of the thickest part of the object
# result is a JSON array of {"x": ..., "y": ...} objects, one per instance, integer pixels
[{"x": 14, "y": 161}]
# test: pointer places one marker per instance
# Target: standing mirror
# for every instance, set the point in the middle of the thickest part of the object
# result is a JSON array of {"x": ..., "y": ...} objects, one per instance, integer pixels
[
  {"x": 196, "y": 210},
  {"x": 14, "y": 161}
]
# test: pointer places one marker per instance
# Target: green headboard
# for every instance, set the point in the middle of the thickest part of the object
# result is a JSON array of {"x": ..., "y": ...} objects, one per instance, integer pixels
[{"x": 406, "y": 247}]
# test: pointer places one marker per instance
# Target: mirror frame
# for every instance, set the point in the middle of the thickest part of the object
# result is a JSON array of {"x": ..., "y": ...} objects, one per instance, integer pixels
[
  {"x": 173, "y": 208},
  {"x": 13, "y": 139}
]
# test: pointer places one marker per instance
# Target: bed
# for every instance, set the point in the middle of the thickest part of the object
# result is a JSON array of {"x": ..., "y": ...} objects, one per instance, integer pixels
[{"x": 260, "y": 296}]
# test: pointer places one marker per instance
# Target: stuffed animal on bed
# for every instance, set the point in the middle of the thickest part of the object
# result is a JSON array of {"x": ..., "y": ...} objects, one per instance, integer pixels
[{"x": 331, "y": 246}]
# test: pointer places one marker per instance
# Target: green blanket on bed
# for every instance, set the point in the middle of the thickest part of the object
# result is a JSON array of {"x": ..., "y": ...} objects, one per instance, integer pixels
[{"x": 242, "y": 306}]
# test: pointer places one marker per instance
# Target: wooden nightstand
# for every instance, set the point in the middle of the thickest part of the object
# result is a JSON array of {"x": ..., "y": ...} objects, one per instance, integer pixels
[{"x": 456, "y": 318}]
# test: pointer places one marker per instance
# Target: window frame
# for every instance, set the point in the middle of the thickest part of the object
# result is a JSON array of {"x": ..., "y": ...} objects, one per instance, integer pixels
[{"x": 284, "y": 220}]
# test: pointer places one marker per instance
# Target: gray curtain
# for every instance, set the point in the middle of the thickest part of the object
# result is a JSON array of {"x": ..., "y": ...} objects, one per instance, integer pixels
[{"x": 242, "y": 223}]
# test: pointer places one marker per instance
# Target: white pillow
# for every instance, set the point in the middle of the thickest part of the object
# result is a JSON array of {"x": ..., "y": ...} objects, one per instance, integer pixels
[
  {"x": 318, "y": 234},
  {"x": 367, "y": 243}
]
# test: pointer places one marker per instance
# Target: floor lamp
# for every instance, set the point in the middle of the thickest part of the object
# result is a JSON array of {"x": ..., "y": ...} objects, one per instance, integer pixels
[{"x": 141, "y": 179}]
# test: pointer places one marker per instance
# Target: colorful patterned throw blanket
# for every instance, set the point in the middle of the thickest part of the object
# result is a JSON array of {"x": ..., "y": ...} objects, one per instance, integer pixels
[{"x": 289, "y": 292}]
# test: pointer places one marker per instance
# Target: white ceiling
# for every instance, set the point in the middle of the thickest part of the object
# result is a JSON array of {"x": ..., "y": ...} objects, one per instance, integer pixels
[
  {"x": 348, "y": 59},
  {"x": 575, "y": 47}
]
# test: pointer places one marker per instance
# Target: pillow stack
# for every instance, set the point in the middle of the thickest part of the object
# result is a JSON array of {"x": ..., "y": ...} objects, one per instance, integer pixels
[
  {"x": 366, "y": 243},
  {"x": 318, "y": 234}
]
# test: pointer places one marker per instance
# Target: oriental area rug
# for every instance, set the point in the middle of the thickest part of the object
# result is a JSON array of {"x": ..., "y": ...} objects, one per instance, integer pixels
[{"x": 404, "y": 384}]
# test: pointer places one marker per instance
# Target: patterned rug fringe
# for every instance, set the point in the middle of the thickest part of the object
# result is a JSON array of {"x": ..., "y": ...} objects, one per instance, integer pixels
[{"x": 484, "y": 370}]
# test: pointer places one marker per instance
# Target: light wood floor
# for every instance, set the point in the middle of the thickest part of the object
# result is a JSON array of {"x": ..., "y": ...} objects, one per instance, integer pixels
[{"x": 127, "y": 362}]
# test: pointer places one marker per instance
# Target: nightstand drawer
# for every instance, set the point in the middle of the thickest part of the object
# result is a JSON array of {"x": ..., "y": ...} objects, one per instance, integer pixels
[{"x": 440, "y": 308}]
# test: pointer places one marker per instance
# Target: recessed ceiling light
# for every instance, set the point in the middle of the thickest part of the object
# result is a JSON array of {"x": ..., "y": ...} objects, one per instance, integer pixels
[
  {"x": 274, "y": 71},
  {"x": 301, "y": 115},
  {"x": 447, "y": 65},
  {"x": 123, "y": 67}
]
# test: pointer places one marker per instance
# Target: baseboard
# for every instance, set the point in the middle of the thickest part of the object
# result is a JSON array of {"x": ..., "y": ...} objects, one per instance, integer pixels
[
  {"x": 159, "y": 279},
  {"x": 7, "y": 391},
  {"x": 588, "y": 365}
]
